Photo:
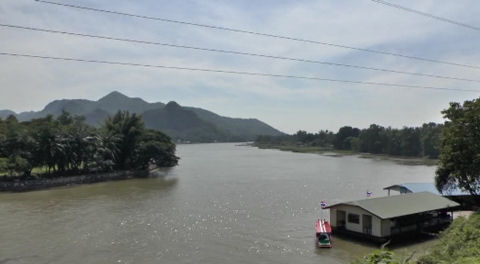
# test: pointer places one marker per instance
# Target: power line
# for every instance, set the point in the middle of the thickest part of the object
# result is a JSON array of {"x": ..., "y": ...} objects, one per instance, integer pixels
[
  {"x": 237, "y": 53},
  {"x": 263, "y": 34},
  {"x": 447, "y": 20},
  {"x": 261, "y": 74}
]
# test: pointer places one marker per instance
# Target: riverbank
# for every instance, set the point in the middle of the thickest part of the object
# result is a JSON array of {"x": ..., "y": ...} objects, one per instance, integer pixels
[
  {"x": 458, "y": 244},
  {"x": 405, "y": 160},
  {"x": 33, "y": 184}
]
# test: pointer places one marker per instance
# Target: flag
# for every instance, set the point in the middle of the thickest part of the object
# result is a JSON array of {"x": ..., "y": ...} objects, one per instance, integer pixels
[{"x": 323, "y": 204}]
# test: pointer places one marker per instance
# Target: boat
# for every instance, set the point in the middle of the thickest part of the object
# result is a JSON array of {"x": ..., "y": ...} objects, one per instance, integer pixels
[{"x": 323, "y": 234}]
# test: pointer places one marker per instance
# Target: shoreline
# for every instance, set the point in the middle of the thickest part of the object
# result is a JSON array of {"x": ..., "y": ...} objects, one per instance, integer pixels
[
  {"x": 405, "y": 160},
  {"x": 18, "y": 185}
]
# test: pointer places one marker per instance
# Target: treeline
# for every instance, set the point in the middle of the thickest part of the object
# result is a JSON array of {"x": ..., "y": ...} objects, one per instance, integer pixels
[
  {"x": 421, "y": 141},
  {"x": 66, "y": 146}
]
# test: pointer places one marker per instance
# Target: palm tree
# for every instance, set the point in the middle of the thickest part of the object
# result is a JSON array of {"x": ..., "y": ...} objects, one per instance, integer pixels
[{"x": 128, "y": 128}]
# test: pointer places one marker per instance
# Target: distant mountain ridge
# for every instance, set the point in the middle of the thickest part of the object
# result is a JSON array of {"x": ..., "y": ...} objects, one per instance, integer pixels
[{"x": 181, "y": 123}]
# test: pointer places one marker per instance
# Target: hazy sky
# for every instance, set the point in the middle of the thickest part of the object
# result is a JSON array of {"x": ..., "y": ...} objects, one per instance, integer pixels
[{"x": 289, "y": 105}]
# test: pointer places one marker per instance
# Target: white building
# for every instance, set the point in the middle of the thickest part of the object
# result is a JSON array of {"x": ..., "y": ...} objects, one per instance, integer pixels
[{"x": 384, "y": 217}]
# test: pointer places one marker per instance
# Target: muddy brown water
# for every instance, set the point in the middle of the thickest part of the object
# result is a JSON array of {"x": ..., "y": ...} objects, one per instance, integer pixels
[{"x": 223, "y": 204}]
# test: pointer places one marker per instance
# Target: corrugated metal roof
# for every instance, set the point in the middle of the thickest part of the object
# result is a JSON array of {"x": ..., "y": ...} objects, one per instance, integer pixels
[
  {"x": 400, "y": 205},
  {"x": 425, "y": 187}
]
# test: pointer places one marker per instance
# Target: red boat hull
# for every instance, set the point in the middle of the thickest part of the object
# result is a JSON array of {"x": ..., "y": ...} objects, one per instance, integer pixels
[{"x": 323, "y": 234}]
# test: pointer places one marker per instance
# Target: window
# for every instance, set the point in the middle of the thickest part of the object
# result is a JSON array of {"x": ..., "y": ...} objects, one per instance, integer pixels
[{"x": 354, "y": 218}]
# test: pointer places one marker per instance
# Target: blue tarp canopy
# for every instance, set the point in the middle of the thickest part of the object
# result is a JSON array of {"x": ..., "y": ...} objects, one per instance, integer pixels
[{"x": 423, "y": 187}]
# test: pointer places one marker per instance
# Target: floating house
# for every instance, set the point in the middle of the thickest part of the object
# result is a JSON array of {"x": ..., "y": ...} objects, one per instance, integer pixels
[{"x": 385, "y": 217}]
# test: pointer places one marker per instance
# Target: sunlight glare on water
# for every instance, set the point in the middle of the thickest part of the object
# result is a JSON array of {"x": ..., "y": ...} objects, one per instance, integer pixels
[{"x": 222, "y": 204}]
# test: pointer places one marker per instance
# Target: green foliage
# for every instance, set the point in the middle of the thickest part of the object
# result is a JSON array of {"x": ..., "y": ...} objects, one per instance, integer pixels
[
  {"x": 408, "y": 141},
  {"x": 459, "y": 243},
  {"x": 66, "y": 145},
  {"x": 104, "y": 150},
  {"x": 460, "y": 148},
  {"x": 430, "y": 138},
  {"x": 18, "y": 164},
  {"x": 154, "y": 148},
  {"x": 343, "y": 139},
  {"x": 128, "y": 128},
  {"x": 134, "y": 146},
  {"x": 378, "y": 257}
]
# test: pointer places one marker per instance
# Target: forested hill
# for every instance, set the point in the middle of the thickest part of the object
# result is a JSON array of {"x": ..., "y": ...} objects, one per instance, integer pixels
[
  {"x": 421, "y": 141},
  {"x": 181, "y": 123}
]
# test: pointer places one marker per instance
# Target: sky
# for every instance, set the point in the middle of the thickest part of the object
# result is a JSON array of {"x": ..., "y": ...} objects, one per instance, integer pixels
[{"x": 286, "y": 104}]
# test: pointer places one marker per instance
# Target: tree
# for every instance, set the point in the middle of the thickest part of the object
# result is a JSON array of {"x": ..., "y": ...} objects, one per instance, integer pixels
[
  {"x": 128, "y": 128},
  {"x": 303, "y": 136},
  {"x": 103, "y": 151},
  {"x": 155, "y": 148},
  {"x": 49, "y": 149},
  {"x": 373, "y": 139},
  {"x": 3, "y": 138},
  {"x": 459, "y": 164},
  {"x": 343, "y": 139},
  {"x": 410, "y": 142},
  {"x": 66, "y": 145},
  {"x": 17, "y": 147},
  {"x": 430, "y": 137}
]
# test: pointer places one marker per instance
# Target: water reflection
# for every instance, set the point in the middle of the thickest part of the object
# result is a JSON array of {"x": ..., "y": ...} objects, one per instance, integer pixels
[{"x": 222, "y": 204}]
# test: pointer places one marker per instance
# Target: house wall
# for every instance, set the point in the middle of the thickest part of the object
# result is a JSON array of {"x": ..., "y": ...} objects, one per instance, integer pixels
[
  {"x": 386, "y": 227},
  {"x": 379, "y": 228}
]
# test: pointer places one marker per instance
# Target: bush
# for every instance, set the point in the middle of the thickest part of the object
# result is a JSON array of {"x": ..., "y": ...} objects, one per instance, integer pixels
[
  {"x": 378, "y": 257},
  {"x": 460, "y": 243}
]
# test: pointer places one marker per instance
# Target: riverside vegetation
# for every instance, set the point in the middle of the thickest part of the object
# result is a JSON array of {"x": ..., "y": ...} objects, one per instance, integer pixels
[
  {"x": 65, "y": 145},
  {"x": 459, "y": 166},
  {"x": 458, "y": 244},
  {"x": 456, "y": 144},
  {"x": 421, "y": 141}
]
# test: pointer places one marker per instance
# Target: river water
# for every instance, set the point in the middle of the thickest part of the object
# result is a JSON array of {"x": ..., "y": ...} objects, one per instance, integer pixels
[{"x": 223, "y": 204}]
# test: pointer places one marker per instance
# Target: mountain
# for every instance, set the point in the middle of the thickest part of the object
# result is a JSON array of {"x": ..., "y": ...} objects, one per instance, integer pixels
[
  {"x": 115, "y": 101},
  {"x": 237, "y": 127},
  {"x": 181, "y": 123},
  {"x": 94, "y": 111},
  {"x": 6, "y": 113}
]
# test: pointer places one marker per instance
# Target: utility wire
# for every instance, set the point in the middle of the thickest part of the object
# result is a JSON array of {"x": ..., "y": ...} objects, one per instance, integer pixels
[
  {"x": 447, "y": 20},
  {"x": 238, "y": 53},
  {"x": 233, "y": 72},
  {"x": 236, "y": 30}
]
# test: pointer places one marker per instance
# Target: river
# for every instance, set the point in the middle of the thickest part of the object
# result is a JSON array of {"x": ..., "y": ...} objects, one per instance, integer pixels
[{"x": 222, "y": 204}]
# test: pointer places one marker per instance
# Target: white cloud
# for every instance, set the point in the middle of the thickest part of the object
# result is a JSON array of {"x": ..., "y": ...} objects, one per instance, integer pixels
[{"x": 289, "y": 105}]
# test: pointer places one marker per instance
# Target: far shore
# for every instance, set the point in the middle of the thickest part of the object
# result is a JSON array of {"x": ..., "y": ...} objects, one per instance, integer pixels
[{"x": 340, "y": 153}]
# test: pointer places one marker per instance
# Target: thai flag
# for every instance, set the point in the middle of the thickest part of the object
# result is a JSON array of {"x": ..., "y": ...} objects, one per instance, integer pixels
[
  {"x": 369, "y": 194},
  {"x": 323, "y": 204}
]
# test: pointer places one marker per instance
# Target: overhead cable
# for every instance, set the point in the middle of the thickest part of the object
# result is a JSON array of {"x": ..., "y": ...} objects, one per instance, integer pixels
[
  {"x": 270, "y": 35},
  {"x": 261, "y": 74},
  {"x": 137, "y": 41},
  {"x": 443, "y": 19}
]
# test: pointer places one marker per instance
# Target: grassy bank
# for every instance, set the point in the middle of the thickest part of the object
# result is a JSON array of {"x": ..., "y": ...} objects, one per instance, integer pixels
[
  {"x": 458, "y": 244},
  {"x": 328, "y": 151}
]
